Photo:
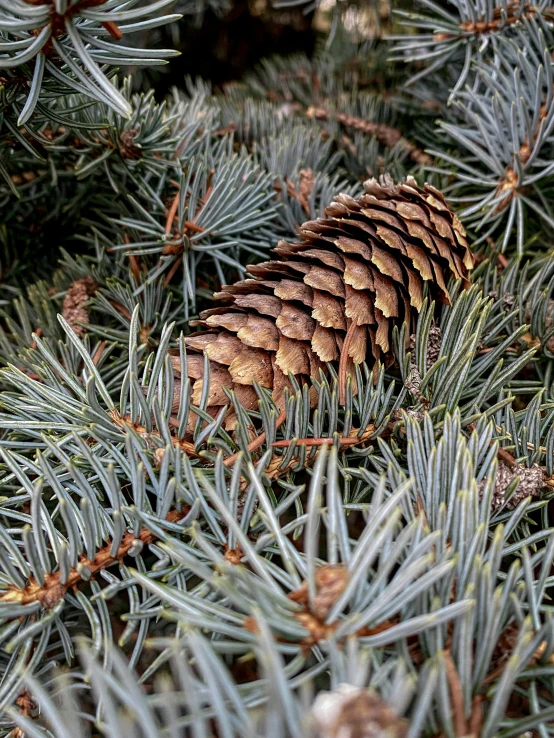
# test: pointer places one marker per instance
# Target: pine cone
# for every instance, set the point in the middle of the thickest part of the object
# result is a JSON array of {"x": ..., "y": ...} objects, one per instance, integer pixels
[
  {"x": 334, "y": 296},
  {"x": 355, "y": 713}
]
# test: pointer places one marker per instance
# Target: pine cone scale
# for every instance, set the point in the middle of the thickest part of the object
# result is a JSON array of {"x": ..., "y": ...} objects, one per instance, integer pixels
[
  {"x": 262, "y": 304},
  {"x": 295, "y": 291},
  {"x": 326, "y": 280},
  {"x": 328, "y": 311},
  {"x": 259, "y": 332},
  {"x": 224, "y": 349},
  {"x": 359, "y": 307},
  {"x": 295, "y": 323},
  {"x": 324, "y": 344},
  {"x": 335, "y": 295}
]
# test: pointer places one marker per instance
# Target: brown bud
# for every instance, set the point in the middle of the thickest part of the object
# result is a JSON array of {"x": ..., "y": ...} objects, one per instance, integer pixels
[
  {"x": 330, "y": 583},
  {"x": 74, "y": 310}
]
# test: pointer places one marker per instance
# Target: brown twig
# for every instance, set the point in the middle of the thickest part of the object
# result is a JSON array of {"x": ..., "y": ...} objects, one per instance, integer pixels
[
  {"x": 502, "y": 454},
  {"x": 120, "y": 308},
  {"x": 506, "y": 457},
  {"x": 500, "y": 20},
  {"x": 456, "y": 696},
  {"x": 190, "y": 225},
  {"x": 99, "y": 352},
  {"x": 53, "y": 589},
  {"x": 274, "y": 469},
  {"x": 171, "y": 214},
  {"x": 305, "y": 189},
  {"x": 113, "y": 29},
  {"x": 257, "y": 442},
  {"x": 124, "y": 421},
  {"x": 318, "y": 630},
  {"x": 476, "y": 718},
  {"x": 319, "y": 442},
  {"x": 171, "y": 272},
  {"x": 134, "y": 264},
  {"x": 387, "y": 135}
]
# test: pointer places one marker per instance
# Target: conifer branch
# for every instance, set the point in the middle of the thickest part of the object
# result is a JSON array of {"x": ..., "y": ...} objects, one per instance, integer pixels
[
  {"x": 54, "y": 587},
  {"x": 335, "y": 493},
  {"x": 385, "y": 134}
]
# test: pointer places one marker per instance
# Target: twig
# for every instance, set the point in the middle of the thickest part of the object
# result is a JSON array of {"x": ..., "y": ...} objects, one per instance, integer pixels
[
  {"x": 113, "y": 29},
  {"x": 191, "y": 226},
  {"x": 171, "y": 214},
  {"x": 476, "y": 718},
  {"x": 257, "y": 442},
  {"x": 134, "y": 264},
  {"x": 123, "y": 421},
  {"x": 385, "y": 134},
  {"x": 318, "y": 442},
  {"x": 171, "y": 273},
  {"x": 120, "y": 308},
  {"x": 501, "y": 453},
  {"x": 456, "y": 696},
  {"x": 54, "y": 589},
  {"x": 506, "y": 457},
  {"x": 99, "y": 352}
]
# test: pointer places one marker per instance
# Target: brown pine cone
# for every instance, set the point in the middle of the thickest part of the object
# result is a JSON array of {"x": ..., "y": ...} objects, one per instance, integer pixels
[
  {"x": 355, "y": 713},
  {"x": 334, "y": 296}
]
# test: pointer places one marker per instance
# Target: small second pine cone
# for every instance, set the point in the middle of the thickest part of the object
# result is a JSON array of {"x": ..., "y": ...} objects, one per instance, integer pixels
[
  {"x": 348, "y": 712},
  {"x": 332, "y": 297}
]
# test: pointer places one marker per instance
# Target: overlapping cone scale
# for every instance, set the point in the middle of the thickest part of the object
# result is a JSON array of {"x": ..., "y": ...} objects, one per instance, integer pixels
[{"x": 333, "y": 296}]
